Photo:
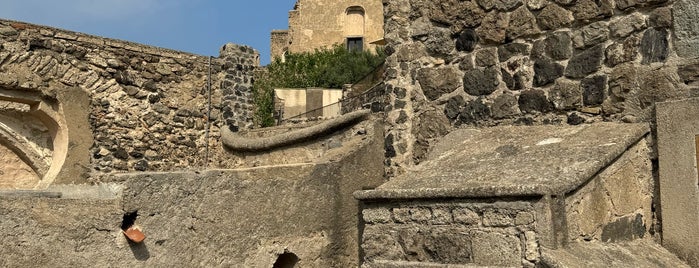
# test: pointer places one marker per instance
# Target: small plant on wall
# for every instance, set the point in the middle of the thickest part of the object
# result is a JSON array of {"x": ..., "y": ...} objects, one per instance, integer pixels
[{"x": 324, "y": 68}]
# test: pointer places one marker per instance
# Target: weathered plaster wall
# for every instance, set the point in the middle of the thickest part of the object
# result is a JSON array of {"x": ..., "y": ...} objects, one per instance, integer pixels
[
  {"x": 146, "y": 108},
  {"x": 617, "y": 204},
  {"x": 229, "y": 218},
  {"x": 315, "y": 24},
  {"x": 482, "y": 62}
]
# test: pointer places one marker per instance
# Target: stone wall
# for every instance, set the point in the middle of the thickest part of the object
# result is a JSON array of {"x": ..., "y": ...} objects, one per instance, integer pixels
[
  {"x": 131, "y": 107},
  {"x": 493, "y": 62},
  {"x": 480, "y": 232},
  {"x": 315, "y": 24}
]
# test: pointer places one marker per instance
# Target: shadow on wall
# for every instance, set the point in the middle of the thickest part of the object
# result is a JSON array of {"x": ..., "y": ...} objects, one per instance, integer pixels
[{"x": 286, "y": 260}]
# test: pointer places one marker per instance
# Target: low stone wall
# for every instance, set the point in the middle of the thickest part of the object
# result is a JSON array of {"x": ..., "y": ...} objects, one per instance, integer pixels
[
  {"x": 231, "y": 218},
  {"x": 480, "y": 232},
  {"x": 530, "y": 62},
  {"x": 137, "y": 108}
]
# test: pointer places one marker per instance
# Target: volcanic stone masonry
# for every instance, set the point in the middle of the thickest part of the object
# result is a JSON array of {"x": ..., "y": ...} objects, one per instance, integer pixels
[
  {"x": 493, "y": 62},
  {"x": 148, "y": 107}
]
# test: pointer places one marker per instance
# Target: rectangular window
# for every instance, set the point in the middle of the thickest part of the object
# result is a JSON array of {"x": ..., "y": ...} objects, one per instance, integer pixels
[{"x": 355, "y": 43}]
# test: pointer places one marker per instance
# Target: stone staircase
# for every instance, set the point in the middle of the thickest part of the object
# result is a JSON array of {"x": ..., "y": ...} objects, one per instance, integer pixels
[{"x": 541, "y": 196}]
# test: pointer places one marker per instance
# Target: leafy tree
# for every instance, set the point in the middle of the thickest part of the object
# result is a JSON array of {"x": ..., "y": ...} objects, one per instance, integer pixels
[{"x": 326, "y": 68}]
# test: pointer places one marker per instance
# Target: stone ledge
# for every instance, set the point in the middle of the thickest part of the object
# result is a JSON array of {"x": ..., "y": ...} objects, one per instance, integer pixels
[
  {"x": 639, "y": 253},
  {"x": 405, "y": 264},
  {"x": 513, "y": 161}
]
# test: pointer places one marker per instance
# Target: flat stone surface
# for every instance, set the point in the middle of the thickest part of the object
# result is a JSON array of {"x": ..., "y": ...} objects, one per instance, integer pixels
[
  {"x": 639, "y": 253},
  {"x": 512, "y": 161}
]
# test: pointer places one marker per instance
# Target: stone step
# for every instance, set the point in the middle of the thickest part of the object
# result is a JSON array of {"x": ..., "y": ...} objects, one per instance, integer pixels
[
  {"x": 410, "y": 264},
  {"x": 638, "y": 253}
]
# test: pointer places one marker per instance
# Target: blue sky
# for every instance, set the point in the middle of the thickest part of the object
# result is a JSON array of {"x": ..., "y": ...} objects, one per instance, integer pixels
[{"x": 197, "y": 26}]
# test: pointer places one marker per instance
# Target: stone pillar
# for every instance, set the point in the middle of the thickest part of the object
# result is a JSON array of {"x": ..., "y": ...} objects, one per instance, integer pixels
[{"x": 678, "y": 127}]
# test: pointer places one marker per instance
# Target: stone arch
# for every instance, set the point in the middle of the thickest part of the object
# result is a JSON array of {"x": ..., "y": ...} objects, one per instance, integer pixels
[
  {"x": 44, "y": 165},
  {"x": 355, "y": 21}
]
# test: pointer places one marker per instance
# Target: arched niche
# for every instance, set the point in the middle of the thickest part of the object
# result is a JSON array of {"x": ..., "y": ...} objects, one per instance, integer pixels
[
  {"x": 355, "y": 23},
  {"x": 33, "y": 140}
]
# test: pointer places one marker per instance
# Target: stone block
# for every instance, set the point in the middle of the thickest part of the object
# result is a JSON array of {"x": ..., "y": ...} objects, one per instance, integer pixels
[
  {"x": 522, "y": 23},
  {"x": 474, "y": 111},
  {"x": 546, "y": 71},
  {"x": 467, "y": 40},
  {"x": 441, "y": 216},
  {"x": 380, "y": 244},
  {"x": 554, "y": 17},
  {"x": 420, "y": 214},
  {"x": 504, "y": 106},
  {"x": 627, "y": 51},
  {"x": 480, "y": 82},
  {"x": 401, "y": 215},
  {"x": 624, "y": 26},
  {"x": 585, "y": 62},
  {"x": 590, "y": 35},
  {"x": 566, "y": 94},
  {"x": 524, "y": 218},
  {"x": 376, "y": 215},
  {"x": 655, "y": 46},
  {"x": 594, "y": 90},
  {"x": 534, "y": 100},
  {"x": 496, "y": 249},
  {"x": 507, "y": 51},
  {"x": 466, "y": 216},
  {"x": 494, "y": 26},
  {"x": 559, "y": 45},
  {"x": 678, "y": 127},
  {"x": 487, "y": 57},
  {"x": 436, "y": 82},
  {"x": 497, "y": 218}
]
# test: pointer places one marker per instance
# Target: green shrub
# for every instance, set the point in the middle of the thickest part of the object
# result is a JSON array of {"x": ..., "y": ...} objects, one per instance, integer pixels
[{"x": 324, "y": 68}]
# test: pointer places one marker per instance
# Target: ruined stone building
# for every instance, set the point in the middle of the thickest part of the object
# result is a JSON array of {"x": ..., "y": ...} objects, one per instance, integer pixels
[
  {"x": 508, "y": 133},
  {"x": 314, "y": 24}
]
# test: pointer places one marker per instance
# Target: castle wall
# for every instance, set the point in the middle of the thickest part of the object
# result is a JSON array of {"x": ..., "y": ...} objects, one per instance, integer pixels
[
  {"x": 485, "y": 63},
  {"x": 131, "y": 107}
]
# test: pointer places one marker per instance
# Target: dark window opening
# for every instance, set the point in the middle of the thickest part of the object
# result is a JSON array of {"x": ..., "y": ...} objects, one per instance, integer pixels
[
  {"x": 286, "y": 260},
  {"x": 355, "y": 43}
]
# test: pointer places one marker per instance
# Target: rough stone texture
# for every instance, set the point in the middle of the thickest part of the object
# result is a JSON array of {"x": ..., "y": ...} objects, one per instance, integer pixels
[
  {"x": 507, "y": 51},
  {"x": 467, "y": 40},
  {"x": 522, "y": 23},
  {"x": 207, "y": 218},
  {"x": 554, "y": 17},
  {"x": 552, "y": 59},
  {"x": 546, "y": 71},
  {"x": 559, "y": 46},
  {"x": 686, "y": 28},
  {"x": 624, "y": 26},
  {"x": 677, "y": 130},
  {"x": 640, "y": 253},
  {"x": 566, "y": 95},
  {"x": 534, "y": 101},
  {"x": 479, "y": 82},
  {"x": 594, "y": 90},
  {"x": 123, "y": 106},
  {"x": 530, "y": 165},
  {"x": 494, "y": 27},
  {"x": 616, "y": 204},
  {"x": 435, "y": 82},
  {"x": 585, "y": 62},
  {"x": 654, "y": 46},
  {"x": 430, "y": 240},
  {"x": 627, "y": 51},
  {"x": 590, "y": 35}
]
